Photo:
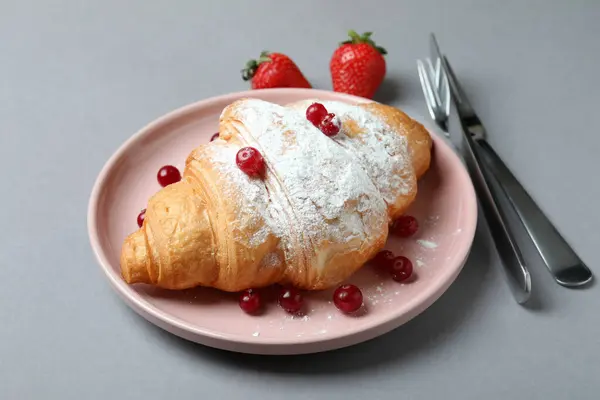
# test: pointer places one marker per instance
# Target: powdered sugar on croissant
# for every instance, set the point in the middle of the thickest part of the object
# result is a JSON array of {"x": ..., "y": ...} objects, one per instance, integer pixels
[{"x": 320, "y": 212}]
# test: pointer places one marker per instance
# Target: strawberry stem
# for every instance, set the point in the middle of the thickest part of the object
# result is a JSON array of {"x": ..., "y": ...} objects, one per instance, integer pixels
[
  {"x": 355, "y": 38},
  {"x": 252, "y": 65}
]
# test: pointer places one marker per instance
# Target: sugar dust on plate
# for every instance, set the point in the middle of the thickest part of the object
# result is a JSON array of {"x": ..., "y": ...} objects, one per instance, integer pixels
[{"x": 427, "y": 244}]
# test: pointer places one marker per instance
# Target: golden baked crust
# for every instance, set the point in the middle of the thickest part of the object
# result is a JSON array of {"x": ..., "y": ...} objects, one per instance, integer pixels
[{"x": 320, "y": 212}]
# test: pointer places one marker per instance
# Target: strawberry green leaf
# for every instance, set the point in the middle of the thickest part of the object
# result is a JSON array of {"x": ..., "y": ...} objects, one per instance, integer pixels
[
  {"x": 355, "y": 38},
  {"x": 381, "y": 50},
  {"x": 252, "y": 65}
]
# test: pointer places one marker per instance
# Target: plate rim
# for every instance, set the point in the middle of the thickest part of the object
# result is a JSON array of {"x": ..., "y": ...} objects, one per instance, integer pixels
[{"x": 258, "y": 345}]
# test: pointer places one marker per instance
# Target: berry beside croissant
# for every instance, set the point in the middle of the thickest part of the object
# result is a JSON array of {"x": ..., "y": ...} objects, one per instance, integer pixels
[{"x": 318, "y": 210}]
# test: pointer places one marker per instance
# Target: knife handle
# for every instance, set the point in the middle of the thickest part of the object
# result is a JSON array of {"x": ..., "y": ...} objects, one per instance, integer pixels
[
  {"x": 511, "y": 258},
  {"x": 563, "y": 263}
]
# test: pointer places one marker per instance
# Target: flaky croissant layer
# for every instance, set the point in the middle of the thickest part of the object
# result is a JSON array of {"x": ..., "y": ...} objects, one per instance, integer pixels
[{"x": 317, "y": 214}]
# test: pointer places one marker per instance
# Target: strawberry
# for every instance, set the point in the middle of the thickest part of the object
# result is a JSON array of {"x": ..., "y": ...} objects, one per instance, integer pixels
[
  {"x": 357, "y": 66},
  {"x": 274, "y": 70}
]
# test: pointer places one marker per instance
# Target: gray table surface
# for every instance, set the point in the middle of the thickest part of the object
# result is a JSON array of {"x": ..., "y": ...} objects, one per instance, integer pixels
[{"x": 78, "y": 78}]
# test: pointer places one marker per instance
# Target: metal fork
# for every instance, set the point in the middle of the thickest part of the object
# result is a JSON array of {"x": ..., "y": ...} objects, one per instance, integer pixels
[
  {"x": 561, "y": 260},
  {"x": 436, "y": 91},
  {"x": 515, "y": 268}
]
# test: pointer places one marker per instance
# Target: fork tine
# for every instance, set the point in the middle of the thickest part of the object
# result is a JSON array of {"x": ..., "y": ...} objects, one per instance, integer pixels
[
  {"x": 433, "y": 105},
  {"x": 442, "y": 88},
  {"x": 441, "y": 80},
  {"x": 433, "y": 77},
  {"x": 445, "y": 95},
  {"x": 437, "y": 73},
  {"x": 427, "y": 91}
]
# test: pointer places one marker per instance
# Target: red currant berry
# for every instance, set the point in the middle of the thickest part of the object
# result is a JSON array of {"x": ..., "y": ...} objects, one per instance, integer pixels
[
  {"x": 315, "y": 113},
  {"x": 250, "y": 161},
  {"x": 250, "y": 301},
  {"x": 330, "y": 125},
  {"x": 290, "y": 299},
  {"x": 383, "y": 259},
  {"x": 215, "y": 136},
  {"x": 348, "y": 298},
  {"x": 168, "y": 175},
  {"x": 401, "y": 269},
  {"x": 141, "y": 217},
  {"x": 405, "y": 226}
]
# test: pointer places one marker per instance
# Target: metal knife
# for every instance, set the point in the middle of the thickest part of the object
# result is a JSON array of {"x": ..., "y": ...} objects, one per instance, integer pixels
[{"x": 561, "y": 260}]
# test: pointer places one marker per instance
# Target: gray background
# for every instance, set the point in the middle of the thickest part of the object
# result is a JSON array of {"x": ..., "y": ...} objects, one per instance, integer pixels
[{"x": 78, "y": 78}]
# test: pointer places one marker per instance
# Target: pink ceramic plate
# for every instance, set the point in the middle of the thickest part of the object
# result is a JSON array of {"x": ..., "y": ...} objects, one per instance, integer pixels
[{"x": 445, "y": 207}]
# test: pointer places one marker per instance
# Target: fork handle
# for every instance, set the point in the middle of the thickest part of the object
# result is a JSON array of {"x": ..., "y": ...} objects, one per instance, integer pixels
[
  {"x": 517, "y": 274},
  {"x": 562, "y": 261}
]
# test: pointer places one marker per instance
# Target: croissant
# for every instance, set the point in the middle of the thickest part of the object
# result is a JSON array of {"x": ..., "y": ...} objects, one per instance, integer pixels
[{"x": 319, "y": 212}]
